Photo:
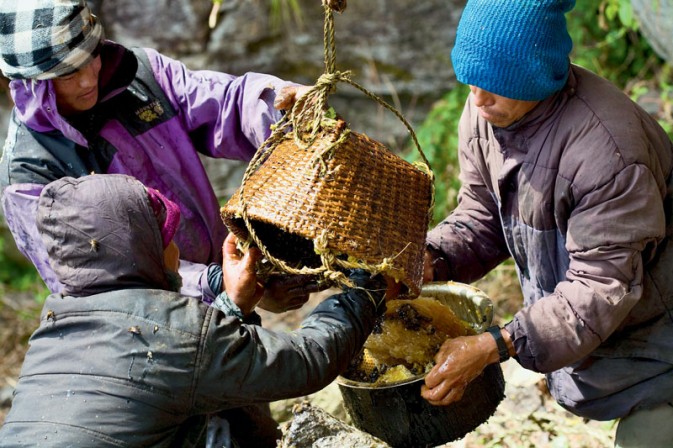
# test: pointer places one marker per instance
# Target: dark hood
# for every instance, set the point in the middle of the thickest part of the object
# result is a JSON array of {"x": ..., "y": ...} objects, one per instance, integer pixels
[{"x": 101, "y": 234}]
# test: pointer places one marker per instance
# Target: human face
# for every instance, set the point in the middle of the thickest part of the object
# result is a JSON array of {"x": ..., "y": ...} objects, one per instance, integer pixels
[
  {"x": 498, "y": 110},
  {"x": 78, "y": 92}
]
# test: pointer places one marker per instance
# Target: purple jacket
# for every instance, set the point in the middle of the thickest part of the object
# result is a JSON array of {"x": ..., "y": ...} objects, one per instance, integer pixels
[{"x": 153, "y": 120}]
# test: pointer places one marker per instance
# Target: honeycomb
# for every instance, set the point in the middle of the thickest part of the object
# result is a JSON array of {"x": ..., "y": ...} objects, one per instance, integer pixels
[{"x": 405, "y": 340}]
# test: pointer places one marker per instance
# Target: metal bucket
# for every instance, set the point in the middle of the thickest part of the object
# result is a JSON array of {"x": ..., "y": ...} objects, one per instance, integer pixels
[{"x": 398, "y": 415}]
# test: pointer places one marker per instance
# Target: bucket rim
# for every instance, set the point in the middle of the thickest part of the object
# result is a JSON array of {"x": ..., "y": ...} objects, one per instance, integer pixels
[
  {"x": 343, "y": 381},
  {"x": 480, "y": 317},
  {"x": 478, "y": 298}
]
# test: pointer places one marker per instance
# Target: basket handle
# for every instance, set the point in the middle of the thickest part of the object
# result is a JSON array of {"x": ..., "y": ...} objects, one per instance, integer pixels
[
  {"x": 309, "y": 112},
  {"x": 311, "y": 107},
  {"x": 306, "y": 119}
]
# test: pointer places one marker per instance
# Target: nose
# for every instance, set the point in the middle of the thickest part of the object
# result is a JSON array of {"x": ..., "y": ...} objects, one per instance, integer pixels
[
  {"x": 481, "y": 97},
  {"x": 87, "y": 77}
]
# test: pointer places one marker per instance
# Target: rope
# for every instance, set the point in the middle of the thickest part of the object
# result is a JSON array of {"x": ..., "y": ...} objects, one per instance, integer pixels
[{"x": 303, "y": 123}]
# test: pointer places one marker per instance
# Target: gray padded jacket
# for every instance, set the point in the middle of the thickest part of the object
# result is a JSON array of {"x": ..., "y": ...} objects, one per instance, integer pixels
[{"x": 128, "y": 363}]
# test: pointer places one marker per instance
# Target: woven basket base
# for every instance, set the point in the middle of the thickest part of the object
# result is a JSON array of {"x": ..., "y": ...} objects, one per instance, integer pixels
[
  {"x": 295, "y": 250},
  {"x": 347, "y": 194}
]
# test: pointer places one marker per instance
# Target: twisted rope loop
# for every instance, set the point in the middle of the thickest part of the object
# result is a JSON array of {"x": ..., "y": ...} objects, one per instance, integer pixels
[{"x": 308, "y": 117}]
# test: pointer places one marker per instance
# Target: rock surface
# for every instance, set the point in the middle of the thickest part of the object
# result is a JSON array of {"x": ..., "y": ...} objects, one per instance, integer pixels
[
  {"x": 656, "y": 23},
  {"x": 311, "y": 427},
  {"x": 380, "y": 41}
]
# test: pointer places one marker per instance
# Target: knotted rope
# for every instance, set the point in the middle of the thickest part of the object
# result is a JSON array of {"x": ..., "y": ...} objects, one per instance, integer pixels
[{"x": 307, "y": 118}]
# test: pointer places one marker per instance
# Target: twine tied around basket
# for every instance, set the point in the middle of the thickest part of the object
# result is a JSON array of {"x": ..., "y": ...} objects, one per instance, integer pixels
[{"x": 308, "y": 116}]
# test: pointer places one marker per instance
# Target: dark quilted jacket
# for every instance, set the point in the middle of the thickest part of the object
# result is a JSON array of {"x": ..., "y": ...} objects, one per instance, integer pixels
[{"x": 579, "y": 194}]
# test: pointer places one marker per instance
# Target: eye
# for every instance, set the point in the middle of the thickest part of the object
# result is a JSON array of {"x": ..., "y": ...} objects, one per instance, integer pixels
[{"x": 67, "y": 77}]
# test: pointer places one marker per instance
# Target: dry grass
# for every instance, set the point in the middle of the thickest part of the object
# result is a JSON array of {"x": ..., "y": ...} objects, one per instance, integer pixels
[{"x": 19, "y": 317}]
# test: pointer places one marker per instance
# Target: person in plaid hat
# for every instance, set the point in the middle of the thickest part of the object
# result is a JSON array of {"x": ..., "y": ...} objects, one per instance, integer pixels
[
  {"x": 84, "y": 104},
  {"x": 573, "y": 181}
]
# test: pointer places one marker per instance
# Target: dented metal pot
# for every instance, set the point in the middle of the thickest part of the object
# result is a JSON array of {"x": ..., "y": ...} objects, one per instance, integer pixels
[{"x": 398, "y": 415}]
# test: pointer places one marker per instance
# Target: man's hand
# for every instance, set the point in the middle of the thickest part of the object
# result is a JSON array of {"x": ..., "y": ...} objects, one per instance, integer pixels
[
  {"x": 392, "y": 289},
  {"x": 287, "y": 292},
  {"x": 428, "y": 267},
  {"x": 435, "y": 266},
  {"x": 238, "y": 275},
  {"x": 289, "y": 95},
  {"x": 459, "y": 361}
]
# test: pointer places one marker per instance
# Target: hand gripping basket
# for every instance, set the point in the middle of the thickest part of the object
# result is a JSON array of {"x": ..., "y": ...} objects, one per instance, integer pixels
[{"x": 319, "y": 198}]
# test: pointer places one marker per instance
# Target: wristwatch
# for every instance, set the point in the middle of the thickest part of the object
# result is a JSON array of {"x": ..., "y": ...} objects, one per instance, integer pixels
[{"x": 503, "y": 351}]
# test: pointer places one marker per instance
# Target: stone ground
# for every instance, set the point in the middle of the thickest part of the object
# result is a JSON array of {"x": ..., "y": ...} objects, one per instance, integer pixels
[{"x": 527, "y": 417}]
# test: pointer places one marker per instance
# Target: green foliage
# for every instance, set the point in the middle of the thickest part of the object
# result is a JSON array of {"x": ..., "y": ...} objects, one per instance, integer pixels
[
  {"x": 438, "y": 137},
  {"x": 282, "y": 13},
  {"x": 606, "y": 41},
  {"x": 285, "y": 13},
  {"x": 19, "y": 276}
]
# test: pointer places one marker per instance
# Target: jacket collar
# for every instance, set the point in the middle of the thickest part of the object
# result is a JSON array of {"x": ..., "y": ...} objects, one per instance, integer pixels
[
  {"x": 534, "y": 120},
  {"x": 35, "y": 101}
]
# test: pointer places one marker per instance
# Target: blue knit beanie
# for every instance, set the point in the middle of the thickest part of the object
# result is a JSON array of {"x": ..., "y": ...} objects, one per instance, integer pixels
[{"x": 514, "y": 48}]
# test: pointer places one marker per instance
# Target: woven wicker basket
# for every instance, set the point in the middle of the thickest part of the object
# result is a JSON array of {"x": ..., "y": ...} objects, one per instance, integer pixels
[{"x": 344, "y": 199}]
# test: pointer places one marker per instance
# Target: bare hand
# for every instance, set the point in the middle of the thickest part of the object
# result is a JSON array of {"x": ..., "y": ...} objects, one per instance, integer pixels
[
  {"x": 289, "y": 95},
  {"x": 239, "y": 277},
  {"x": 428, "y": 267},
  {"x": 458, "y": 362},
  {"x": 287, "y": 292},
  {"x": 392, "y": 290}
]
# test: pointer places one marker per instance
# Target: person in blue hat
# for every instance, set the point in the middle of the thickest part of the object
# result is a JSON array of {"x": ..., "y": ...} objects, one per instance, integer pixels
[{"x": 567, "y": 176}]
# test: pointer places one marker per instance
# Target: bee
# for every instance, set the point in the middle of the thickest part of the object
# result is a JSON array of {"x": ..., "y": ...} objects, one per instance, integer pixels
[
  {"x": 156, "y": 328},
  {"x": 51, "y": 315},
  {"x": 135, "y": 330},
  {"x": 94, "y": 245}
]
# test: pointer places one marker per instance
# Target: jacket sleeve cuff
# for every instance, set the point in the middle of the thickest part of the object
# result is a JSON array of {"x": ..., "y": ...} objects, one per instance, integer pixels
[
  {"x": 520, "y": 342},
  {"x": 214, "y": 279},
  {"x": 223, "y": 303}
]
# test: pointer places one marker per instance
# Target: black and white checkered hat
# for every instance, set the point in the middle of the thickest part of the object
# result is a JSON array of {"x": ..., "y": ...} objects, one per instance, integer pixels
[{"x": 45, "y": 39}]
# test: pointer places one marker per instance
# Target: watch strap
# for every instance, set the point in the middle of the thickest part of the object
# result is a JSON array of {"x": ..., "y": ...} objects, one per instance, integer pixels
[{"x": 503, "y": 351}]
